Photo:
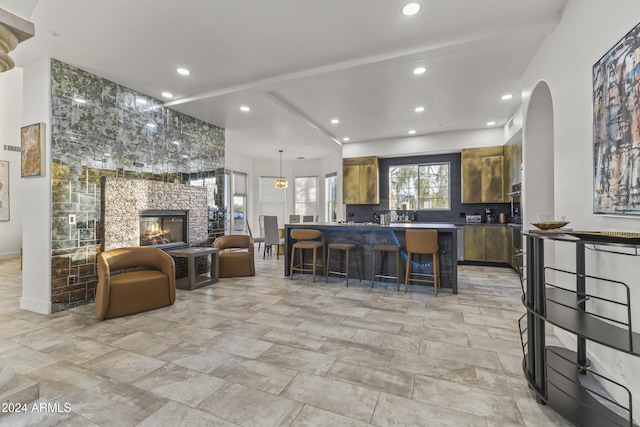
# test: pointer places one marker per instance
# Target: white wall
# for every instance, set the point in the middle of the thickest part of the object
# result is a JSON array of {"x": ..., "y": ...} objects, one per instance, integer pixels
[
  {"x": 446, "y": 142},
  {"x": 290, "y": 169},
  {"x": 586, "y": 31},
  {"x": 10, "y": 123},
  {"x": 36, "y": 201},
  {"x": 331, "y": 164}
]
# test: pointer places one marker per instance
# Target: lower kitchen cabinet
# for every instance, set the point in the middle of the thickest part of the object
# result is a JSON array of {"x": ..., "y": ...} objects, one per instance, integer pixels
[
  {"x": 489, "y": 243},
  {"x": 515, "y": 243}
]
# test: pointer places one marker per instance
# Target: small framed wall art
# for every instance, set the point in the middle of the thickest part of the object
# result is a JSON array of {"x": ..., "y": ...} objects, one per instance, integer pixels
[
  {"x": 4, "y": 190},
  {"x": 32, "y": 150}
]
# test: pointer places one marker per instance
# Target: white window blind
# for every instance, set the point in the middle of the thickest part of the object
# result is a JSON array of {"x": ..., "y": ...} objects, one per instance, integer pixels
[
  {"x": 306, "y": 191},
  {"x": 272, "y": 200}
]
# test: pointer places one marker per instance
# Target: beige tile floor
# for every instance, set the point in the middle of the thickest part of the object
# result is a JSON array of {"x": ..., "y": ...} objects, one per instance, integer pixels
[{"x": 269, "y": 351}]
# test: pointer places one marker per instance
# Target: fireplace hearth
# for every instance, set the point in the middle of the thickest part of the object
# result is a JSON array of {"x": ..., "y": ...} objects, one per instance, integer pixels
[{"x": 164, "y": 228}]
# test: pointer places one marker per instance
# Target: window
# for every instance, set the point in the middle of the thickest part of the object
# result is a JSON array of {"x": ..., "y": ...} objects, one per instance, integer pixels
[
  {"x": 272, "y": 200},
  {"x": 420, "y": 187},
  {"x": 235, "y": 201},
  {"x": 331, "y": 196},
  {"x": 239, "y": 202},
  {"x": 306, "y": 189}
]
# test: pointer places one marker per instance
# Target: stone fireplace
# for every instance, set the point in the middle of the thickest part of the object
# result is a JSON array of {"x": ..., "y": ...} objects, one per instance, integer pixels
[{"x": 137, "y": 212}]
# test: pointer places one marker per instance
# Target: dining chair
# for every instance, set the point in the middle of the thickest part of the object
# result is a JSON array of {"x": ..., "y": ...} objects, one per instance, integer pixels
[
  {"x": 307, "y": 218},
  {"x": 271, "y": 235},
  {"x": 260, "y": 238},
  {"x": 294, "y": 219}
]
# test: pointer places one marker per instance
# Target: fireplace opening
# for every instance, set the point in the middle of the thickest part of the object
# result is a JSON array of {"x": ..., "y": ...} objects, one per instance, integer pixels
[{"x": 163, "y": 228}]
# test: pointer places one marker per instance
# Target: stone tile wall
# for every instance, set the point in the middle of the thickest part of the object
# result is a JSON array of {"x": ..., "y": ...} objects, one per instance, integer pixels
[
  {"x": 124, "y": 198},
  {"x": 100, "y": 128}
]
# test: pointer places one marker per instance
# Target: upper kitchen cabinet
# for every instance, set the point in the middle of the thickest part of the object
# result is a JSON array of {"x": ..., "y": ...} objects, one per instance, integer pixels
[
  {"x": 483, "y": 175},
  {"x": 513, "y": 164},
  {"x": 360, "y": 181}
]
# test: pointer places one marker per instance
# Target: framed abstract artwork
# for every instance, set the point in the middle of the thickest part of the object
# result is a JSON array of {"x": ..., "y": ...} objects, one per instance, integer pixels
[
  {"x": 616, "y": 128},
  {"x": 32, "y": 150},
  {"x": 4, "y": 190}
]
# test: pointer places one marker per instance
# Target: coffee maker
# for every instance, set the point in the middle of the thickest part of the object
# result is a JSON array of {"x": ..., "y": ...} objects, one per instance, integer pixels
[{"x": 489, "y": 216}]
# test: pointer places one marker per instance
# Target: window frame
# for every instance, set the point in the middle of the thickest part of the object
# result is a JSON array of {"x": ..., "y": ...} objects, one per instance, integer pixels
[{"x": 331, "y": 197}]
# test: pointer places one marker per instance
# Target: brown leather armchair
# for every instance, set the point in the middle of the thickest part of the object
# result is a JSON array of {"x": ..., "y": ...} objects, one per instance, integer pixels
[
  {"x": 131, "y": 292},
  {"x": 234, "y": 262}
]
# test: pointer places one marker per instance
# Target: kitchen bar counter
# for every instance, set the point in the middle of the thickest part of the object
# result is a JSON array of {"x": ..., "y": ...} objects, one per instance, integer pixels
[{"x": 366, "y": 235}]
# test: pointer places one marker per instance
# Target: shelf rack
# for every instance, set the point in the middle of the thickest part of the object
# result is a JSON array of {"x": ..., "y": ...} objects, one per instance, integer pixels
[{"x": 555, "y": 373}]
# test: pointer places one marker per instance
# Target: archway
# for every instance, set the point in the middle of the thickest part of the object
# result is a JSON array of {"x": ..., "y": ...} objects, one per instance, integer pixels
[{"x": 537, "y": 156}]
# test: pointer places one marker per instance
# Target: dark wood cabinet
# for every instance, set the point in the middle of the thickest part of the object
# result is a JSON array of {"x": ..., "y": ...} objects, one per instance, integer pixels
[
  {"x": 515, "y": 249},
  {"x": 489, "y": 243},
  {"x": 360, "y": 181},
  {"x": 483, "y": 175}
]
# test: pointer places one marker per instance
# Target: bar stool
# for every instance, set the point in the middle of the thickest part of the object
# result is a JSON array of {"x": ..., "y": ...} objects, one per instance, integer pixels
[
  {"x": 306, "y": 239},
  {"x": 346, "y": 247},
  {"x": 384, "y": 250},
  {"x": 422, "y": 242}
]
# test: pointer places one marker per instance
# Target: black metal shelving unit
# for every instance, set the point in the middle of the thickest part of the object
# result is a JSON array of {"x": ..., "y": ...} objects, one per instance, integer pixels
[{"x": 556, "y": 373}]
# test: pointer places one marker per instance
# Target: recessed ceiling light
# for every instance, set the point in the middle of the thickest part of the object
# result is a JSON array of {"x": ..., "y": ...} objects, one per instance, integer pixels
[
  {"x": 184, "y": 156},
  {"x": 80, "y": 100},
  {"x": 183, "y": 71},
  {"x": 507, "y": 96},
  {"x": 107, "y": 155},
  {"x": 176, "y": 142},
  {"x": 419, "y": 109},
  {"x": 411, "y": 9},
  {"x": 346, "y": 138},
  {"x": 167, "y": 94},
  {"x": 419, "y": 70},
  {"x": 301, "y": 158},
  {"x": 335, "y": 121},
  {"x": 412, "y": 132},
  {"x": 491, "y": 123},
  {"x": 245, "y": 109},
  {"x": 152, "y": 125}
]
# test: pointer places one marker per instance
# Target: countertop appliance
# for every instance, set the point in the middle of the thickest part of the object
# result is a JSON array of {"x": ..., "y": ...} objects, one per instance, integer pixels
[
  {"x": 489, "y": 217},
  {"x": 502, "y": 218},
  {"x": 473, "y": 219}
]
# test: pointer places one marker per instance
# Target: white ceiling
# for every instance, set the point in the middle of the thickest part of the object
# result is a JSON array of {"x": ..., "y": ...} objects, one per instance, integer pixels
[{"x": 300, "y": 63}]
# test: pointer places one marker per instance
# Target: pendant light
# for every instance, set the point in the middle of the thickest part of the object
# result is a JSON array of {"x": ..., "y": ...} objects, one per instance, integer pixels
[{"x": 281, "y": 183}]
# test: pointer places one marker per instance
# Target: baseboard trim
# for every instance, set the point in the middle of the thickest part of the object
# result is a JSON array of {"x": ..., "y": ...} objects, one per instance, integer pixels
[
  {"x": 9, "y": 255},
  {"x": 42, "y": 307}
]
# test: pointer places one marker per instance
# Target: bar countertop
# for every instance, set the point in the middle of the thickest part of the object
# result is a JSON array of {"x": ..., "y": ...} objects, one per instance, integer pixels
[
  {"x": 366, "y": 235},
  {"x": 440, "y": 226}
]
